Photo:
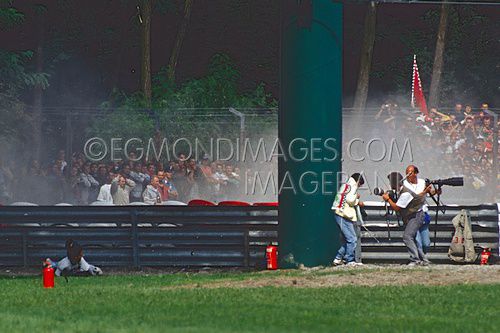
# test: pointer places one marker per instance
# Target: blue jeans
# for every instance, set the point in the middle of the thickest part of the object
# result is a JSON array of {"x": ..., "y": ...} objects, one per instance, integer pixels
[
  {"x": 423, "y": 239},
  {"x": 349, "y": 239}
]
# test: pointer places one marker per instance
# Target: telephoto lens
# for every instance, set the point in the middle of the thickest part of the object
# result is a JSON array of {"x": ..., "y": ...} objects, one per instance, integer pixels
[{"x": 453, "y": 181}]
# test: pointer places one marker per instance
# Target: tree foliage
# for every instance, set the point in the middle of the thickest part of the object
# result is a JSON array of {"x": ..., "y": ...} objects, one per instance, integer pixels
[
  {"x": 197, "y": 108},
  {"x": 469, "y": 64},
  {"x": 14, "y": 78},
  {"x": 9, "y": 16}
]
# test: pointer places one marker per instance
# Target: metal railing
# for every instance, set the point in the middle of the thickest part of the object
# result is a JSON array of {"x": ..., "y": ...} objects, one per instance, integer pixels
[
  {"x": 384, "y": 240},
  {"x": 136, "y": 236}
]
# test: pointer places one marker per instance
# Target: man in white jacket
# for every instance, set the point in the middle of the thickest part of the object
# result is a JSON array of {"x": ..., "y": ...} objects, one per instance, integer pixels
[
  {"x": 105, "y": 196},
  {"x": 344, "y": 206}
]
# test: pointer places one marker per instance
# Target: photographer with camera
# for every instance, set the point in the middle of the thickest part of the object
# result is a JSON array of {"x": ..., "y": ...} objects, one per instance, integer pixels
[
  {"x": 344, "y": 206},
  {"x": 412, "y": 207},
  {"x": 73, "y": 263}
]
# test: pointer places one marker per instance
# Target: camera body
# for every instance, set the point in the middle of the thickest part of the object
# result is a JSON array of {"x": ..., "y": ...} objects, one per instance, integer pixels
[{"x": 380, "y": 192}]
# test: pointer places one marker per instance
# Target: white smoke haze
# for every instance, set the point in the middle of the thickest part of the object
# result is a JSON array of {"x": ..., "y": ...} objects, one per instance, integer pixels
[
  {"x": 20, "y": 183},
  {"x": 373, "y": 145},
  {"x": 374, "y": 137}
]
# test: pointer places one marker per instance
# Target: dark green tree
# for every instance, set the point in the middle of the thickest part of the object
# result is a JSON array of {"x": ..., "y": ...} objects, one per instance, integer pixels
[
  {"x": 468, "y": 73},
  {"x": 14, "y": 79},
  {"x": 145, "y": 13},
  {"x": 196, "y": 109},
  {"x": 366, "y": 57},
  {"x": 179, "y": 40},
  {"x": 437, "y": 66},
  {"x": 37, "y": 120}
]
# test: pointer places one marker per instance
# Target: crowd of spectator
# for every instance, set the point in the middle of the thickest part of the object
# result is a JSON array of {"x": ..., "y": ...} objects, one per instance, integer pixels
[
  {"x": 457, "y": 142},
  {"x": 79, "y": 181},
  {"x": 450, "y": 142}
]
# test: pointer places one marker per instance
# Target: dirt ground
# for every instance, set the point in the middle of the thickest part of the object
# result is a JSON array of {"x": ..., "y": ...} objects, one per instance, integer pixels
[
  {"x": 367, "y": 275},
  {"x": 319, "y": 277}
]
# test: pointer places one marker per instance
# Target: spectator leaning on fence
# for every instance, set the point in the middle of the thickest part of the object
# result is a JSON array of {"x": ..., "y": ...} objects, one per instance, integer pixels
[
  {"x": 162, "y": 188},
  {"x": 102, "y": 175},
  {"x": 88, "y": 186},
  {"x": 72, "y": 191},
  {"x": 468, "y": 112},
  {"x": 4, "y": 196},
  {"x": 193, "y": 176},
  {"x": 55, "y": 185},
  {"x": 168, "y": 181},
  {"x": 105, "y": 191},
  {"x": 458, "y": 113},
  {"x": 140, "y": 180},
  {"x": 207, "y": 182},
  {"x": 221, "y": 182},
  {"x": 120, "y": 190},
  {"x": 151, "y": 195}
]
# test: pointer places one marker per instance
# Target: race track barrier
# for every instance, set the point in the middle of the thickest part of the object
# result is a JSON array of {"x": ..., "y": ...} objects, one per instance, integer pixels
[
  {"x": 201, "y": 236},
  {"x": 485, "y": 232},
  {"x": 136, "y": 236}
]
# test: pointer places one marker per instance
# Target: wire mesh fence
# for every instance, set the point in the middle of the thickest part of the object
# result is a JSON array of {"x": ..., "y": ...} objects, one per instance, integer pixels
[
  {"x": 375, "y": 142},
  {"x": 444, "y": 144}
]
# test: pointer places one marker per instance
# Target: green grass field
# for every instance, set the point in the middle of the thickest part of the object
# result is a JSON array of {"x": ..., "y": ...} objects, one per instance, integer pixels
[{"x": 158, "y": 303}]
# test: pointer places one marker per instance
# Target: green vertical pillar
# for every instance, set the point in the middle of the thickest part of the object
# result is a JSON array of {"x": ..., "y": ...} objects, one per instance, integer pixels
[{"x": 310, "y": 109}]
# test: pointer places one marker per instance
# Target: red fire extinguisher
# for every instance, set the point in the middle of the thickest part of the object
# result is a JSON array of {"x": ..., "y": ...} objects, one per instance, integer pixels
[
  {"x": 48, "y": 275},
  {"x": 272, "y": 257},
  {"x": 485, "y": 256}
]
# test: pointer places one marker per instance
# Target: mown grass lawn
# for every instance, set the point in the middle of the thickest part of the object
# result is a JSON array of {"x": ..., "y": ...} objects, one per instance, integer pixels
[{"x": 147, "y": 304}]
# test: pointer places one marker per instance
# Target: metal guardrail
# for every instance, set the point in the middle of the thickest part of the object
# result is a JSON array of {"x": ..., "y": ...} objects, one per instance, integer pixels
[
  {"x": 135, "y": 236},
  {"x": 485, "y": 233}
]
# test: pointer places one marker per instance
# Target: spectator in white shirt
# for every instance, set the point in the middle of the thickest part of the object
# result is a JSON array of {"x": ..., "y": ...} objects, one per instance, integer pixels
[{"x": 105, "y": 196}]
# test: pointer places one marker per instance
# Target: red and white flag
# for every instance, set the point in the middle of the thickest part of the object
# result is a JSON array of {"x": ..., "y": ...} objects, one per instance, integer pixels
[{"x": 417, "y": 93}]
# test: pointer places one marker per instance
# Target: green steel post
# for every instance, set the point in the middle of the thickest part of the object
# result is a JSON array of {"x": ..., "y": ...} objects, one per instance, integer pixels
[{"x": 310, "y": 109}]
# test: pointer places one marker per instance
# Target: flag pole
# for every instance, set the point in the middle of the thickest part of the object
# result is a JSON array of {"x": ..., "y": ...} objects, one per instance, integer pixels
[{"x": 413, "y": 81}]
